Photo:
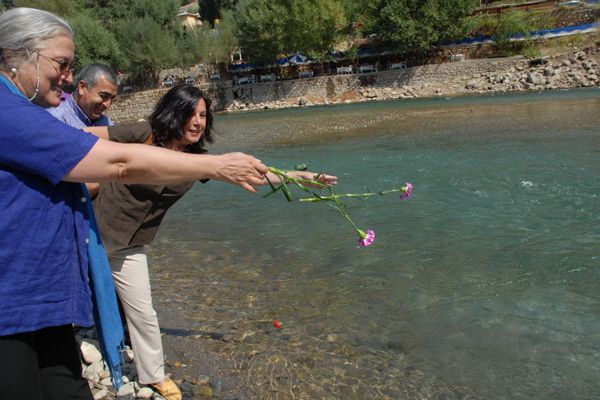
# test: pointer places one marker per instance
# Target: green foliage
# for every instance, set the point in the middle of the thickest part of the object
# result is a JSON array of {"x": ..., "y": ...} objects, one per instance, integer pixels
[
  {"x": 141, "y": 37},
  {"x": 261, "y": 28},
  {"x": 507, "y": 25},
  {"x": 226, "y": 39},
  {"x": 418, "y": 25},
  {"x": 190, "y": 46},
  {"x": 94, "y": 43},
  {"x": 193, "y": 8},
  {"x": 64, "y": 8},
  {"x": 163, "y": 12},
  {"x": 266, "y": 28},
  {"x": 210, "y": 45},
  {"x": 511, "y": 23},
  {"x": 316, "y": 25},
  {"x": 146, "y": 47},
  {"x": 515, "y": 21}
]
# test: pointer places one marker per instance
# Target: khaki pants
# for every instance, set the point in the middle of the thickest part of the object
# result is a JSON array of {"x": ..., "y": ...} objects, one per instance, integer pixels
[{"x": 130, "y": 273}]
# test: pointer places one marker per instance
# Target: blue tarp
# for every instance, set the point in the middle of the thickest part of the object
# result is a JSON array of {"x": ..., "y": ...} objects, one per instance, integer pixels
[
  {"x": 540, "y": 34},
  {"x": 297, "y": 59},
  {"x": 293, "y": 59}
]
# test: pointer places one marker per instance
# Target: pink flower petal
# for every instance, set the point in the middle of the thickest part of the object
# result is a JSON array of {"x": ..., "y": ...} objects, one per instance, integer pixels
[
  {"x": 367, "y": 240},
  {"x": 407, "y": 191}
]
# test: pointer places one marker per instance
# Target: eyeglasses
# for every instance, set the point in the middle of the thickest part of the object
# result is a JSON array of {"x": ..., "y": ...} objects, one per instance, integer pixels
[{"x": 64, "y": 67}]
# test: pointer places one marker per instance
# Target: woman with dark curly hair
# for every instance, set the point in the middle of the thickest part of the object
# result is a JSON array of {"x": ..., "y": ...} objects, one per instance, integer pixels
[{"x": 129, "y": 217}]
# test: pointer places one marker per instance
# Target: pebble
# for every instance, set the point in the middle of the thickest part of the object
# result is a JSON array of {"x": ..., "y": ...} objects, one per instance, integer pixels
[
  {"x": 204, "y": 391},
  {"x": 101, "y": 394},
  {"x": 145, "y": 393},
  {"x": 90, "y": 352},
  {"x": 95, "y": 371}
]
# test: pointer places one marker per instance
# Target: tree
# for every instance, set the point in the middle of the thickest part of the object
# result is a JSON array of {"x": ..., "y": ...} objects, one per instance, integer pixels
[
  {"x": 261, "y": 28},
  {"x": 226, "y": 36},
  {"x": 417, "y": 25},
  {"x": 94, "y": 43},
  {"x": 147, "y": 48},
  {"x": 190, "y": 46},
  {"x": 313, "y": 26},
  {"x": 164, "y": 12},
  {"x": 63, "y": 8},
  {"x": 266, "y": 28}
]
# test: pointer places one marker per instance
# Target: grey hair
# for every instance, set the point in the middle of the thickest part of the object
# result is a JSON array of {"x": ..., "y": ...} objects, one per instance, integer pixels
[
  {"x": 92, "y": 73},
  {"x": 22, "y": 31}
]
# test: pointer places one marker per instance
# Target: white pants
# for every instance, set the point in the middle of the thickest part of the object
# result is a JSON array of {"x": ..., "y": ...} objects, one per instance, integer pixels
[{"x": 130, "y": 273}]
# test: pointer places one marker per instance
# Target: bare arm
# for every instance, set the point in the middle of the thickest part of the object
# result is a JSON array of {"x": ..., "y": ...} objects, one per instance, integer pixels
[
  {"x": 138, "y": 163},
  {"x": 102, "y": 132}
]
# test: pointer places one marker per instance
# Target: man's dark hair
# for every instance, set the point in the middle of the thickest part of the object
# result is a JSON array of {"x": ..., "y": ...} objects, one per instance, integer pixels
[{"x": 92, "y": 73}]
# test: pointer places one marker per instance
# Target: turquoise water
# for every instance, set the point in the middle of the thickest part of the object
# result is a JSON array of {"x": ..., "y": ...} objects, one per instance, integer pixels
[{"x": 484, "y": 285}]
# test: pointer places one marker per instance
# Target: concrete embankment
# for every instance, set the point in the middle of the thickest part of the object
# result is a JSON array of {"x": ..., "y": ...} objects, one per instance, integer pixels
[{"x": 576, "y": 69}]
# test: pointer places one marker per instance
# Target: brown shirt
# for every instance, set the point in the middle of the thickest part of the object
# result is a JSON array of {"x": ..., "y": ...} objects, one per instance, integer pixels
[{"x": 130, "y": 215}]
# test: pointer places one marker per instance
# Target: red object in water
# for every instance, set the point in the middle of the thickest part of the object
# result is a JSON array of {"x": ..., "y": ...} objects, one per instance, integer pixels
[{"x": 276, "y": 324}]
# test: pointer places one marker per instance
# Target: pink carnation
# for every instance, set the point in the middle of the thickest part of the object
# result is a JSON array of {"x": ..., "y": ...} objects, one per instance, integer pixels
[
  {"x": 405, "y": 195},
  {"x": 366, "y": 239}
]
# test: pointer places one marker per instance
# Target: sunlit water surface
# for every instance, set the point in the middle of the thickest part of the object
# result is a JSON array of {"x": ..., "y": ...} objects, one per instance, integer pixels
[{"x": 485, "y": 285}]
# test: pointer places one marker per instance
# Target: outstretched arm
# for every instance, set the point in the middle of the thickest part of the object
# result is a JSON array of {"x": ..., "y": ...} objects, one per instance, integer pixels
[{"x": 138, "y": 163}]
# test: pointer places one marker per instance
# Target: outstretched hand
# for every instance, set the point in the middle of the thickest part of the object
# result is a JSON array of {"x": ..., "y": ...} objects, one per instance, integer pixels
[{"x": 241, "y": 169}]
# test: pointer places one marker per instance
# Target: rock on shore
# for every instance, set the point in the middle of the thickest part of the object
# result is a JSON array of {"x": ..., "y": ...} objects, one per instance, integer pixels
[
  {"x": 97, "y": 374},
  {"x": 579, "y": 69}
]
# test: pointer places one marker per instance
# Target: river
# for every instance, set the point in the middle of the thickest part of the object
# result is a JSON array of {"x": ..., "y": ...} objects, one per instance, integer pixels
[{"x": 484, "y": 285}]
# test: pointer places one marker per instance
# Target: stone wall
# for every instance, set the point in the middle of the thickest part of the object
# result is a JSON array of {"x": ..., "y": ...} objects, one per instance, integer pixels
[
  {"x": 134, "y": 106},
  {"x": 450, "y": 78}
]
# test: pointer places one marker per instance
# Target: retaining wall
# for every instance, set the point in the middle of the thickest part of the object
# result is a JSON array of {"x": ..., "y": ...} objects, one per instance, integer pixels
[{"x": 320, "y": 89}]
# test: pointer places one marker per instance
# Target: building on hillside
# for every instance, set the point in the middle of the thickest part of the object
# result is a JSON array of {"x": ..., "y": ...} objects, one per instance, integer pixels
[{"x": 189, "y": 16}]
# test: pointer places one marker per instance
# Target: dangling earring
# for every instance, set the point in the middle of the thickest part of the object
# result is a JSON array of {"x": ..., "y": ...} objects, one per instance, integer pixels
[
  {"x": 13, "y": 70},
  {"x": 37, "y": 83}
]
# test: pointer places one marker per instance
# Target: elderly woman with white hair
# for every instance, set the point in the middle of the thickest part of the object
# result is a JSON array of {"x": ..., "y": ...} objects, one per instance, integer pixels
[{"x": 43, "y": 217}]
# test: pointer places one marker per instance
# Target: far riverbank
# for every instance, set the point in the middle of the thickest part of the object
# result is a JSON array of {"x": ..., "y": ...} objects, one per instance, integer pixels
[{"x": 579, "y": 68}]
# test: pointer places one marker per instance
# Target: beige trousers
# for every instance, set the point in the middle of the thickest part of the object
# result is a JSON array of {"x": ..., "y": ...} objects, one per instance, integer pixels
[{"x": 130, "y": 273}]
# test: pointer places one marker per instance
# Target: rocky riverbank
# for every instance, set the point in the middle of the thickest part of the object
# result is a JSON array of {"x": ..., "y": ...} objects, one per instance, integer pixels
[
  {"x": 577, "y": 69},
  {"x": 98, "y": 376}
]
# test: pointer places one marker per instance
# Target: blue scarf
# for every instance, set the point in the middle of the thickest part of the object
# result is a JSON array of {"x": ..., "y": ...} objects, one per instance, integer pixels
[{"x": 106, "y": 310}]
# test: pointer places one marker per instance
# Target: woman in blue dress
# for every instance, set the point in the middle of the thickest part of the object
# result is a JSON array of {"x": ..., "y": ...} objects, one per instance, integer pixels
[{"x": 43, "y": 219}]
